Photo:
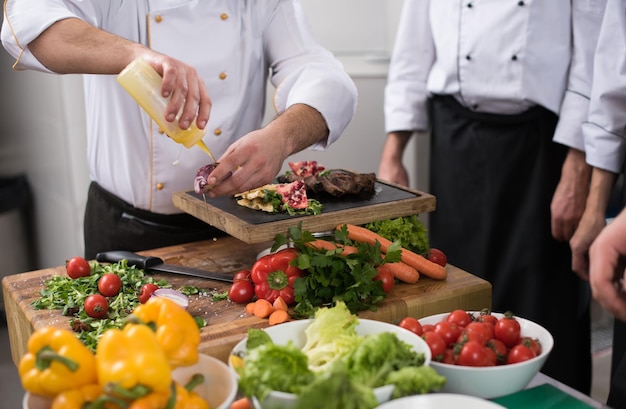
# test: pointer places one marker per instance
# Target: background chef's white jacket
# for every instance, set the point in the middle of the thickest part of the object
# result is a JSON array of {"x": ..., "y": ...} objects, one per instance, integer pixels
[
  {"x": 605, "y": 133},
  {"x": 494, "y": 56},
  {"x": 232, "y": 44}
]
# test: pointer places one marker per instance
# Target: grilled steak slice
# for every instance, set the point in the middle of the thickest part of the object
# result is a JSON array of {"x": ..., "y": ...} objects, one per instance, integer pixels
[{"x": 336, "y": 183}]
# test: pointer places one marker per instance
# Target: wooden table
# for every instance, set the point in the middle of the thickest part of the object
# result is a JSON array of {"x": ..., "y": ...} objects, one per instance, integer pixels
[{"x": 227, "y": 321}]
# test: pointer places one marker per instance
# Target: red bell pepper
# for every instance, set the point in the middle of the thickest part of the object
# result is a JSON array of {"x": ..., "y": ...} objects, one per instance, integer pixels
[{"x": 273, "y": 275}]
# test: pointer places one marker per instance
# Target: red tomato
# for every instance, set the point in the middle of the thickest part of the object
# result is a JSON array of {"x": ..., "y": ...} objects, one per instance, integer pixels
[
  {"x": 492, "y": 319},
  {"x": 109, "y": 284},
  {"x": 473, "y": 354},
  {"x": 242, "y": 275},
  {"x": 520, "y": 353},
  {"x": 427, "y": 328},
  {"x": 475, "y": 331},
  {"x": 448, "y": 357},
  {"x": 532, "y": 343},
  {"x": 435, "y": 342},
  {"x": 386, "y": 277},
  {"x": 241, "y": 292},
  {"x": 77, "y": 267},
  {"x": 449, "y": 331},
  {"x": 499, "y": 348},
  {"x": 96, "y": 306},
  {"x": 508, "y": 330},
  {"x": 437, "y": 256},
  {"x": 146, "y": 292},
  {"x": 412, "y": 325},
  {"x": 492, "y": 358},
  {"x": 459, "y": 317}
]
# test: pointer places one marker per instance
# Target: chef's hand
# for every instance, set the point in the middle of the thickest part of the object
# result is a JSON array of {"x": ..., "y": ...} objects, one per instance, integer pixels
[
  {"x": 591, "y": 224},
  {"x": 568, "y": 202},
  {"x": 391, "y": 168},
  {"x": 256, "y": 159},
  {"x": 607, "y": 262},
  {"x": 187, "y": 90}
]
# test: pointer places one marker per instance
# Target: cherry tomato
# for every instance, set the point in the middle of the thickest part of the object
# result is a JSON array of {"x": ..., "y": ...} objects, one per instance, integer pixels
[
  {"x": 437, "y": 256},
  {"x": 459, "y": 317},
  {"x": 77, "y": 267},
  {"x": 109, "y": 285},
  {"x": 435, "y": 342},
  {"x": 475, "y": 331},
  {"x": 428, "y": 328},
  {"x": 520, "y": 353},
  {"x": 96, "y": 306},
  {"x": 473, "y": 353},
  {"x": 386, "y": 277},
  {"x": 241, "y": 292},
  {"x": 532, "y": 343},
  {"x": 499, "y": 348},
  {"x": 508, "y": 330},
  {"x": 448, "y": 357},
  {"x": 146, "y": 291},
  {"x": 449, "y": 331},
  {"x": 488, "y": 318},
  {"x": 242, "y": 275},
  {"x": 412, "y": 325}
]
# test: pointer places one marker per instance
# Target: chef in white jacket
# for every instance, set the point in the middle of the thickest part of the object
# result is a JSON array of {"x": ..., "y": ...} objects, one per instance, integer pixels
[
  {"x": 215, "y": 59},
  {"x": 497, "y": 83}
]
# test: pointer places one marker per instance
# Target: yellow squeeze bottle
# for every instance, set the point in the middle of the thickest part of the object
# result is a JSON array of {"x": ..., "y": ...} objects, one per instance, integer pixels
[{"x": 143, "y": 83}]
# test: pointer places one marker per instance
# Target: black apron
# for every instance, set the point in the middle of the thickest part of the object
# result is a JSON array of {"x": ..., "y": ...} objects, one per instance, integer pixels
[
  {"x": 494, "y": 177},
  {"x": 112, "y": 224}
]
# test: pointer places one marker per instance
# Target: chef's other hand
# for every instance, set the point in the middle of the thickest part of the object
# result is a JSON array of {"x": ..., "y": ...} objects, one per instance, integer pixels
[
  {"x": 568, "y": 202},
  {"x": 186, "y": 88},
  {"x": 607, "y": 263},
  {"x": 590, "y": 226}
]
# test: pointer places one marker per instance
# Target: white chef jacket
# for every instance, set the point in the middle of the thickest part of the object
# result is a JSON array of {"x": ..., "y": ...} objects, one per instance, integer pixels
[
  {"x": 498, "y": 57},
  {"x": 234, "y": 45},
  {"x": 605, "y": 133}
]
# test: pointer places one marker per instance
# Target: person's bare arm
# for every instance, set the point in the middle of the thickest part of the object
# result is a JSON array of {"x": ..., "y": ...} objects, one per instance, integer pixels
[
  {"x": 72, "y": 46},
  {"x": 391, "y": 168},
  {"x": 592, "y": 221},
  {"x": 568, "y": 202},
  {"x": 256, "y": 159}
]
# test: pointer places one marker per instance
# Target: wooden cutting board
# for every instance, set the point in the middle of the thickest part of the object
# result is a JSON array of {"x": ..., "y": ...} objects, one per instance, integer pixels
[
  {"x": 227, "y": 321},
  {"x": 255, "y": 226}
]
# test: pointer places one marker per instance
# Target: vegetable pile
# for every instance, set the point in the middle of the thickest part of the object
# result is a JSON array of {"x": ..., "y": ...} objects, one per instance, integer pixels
[
  {"x": 58, "y": 366},
  {"x": 336, "y": 365},
  {"x": 99, "y": 297},
  {"x": 464, "y": 338}
]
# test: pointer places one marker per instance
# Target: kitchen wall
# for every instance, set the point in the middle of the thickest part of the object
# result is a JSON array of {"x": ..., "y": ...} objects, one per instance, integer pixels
[{"x": 42, "y": 126}]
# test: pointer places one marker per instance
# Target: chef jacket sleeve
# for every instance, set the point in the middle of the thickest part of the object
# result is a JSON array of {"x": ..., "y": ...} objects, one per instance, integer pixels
[
  {"x": 24, "y": 21},
  {"x": 604, "y": 133},
  {"x": 586, "y": 21},
  {"x": 413, "y": 55},
  {"x": 304, "y": 72}
]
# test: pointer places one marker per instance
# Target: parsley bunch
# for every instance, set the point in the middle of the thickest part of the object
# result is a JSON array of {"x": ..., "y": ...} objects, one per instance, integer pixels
[{"x": 331, "y": 276}]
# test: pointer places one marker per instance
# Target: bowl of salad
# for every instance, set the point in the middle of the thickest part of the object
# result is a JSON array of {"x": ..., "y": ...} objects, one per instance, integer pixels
[
  {"x": 335, "y": 358},
  {"x": 504, "y": 354}
]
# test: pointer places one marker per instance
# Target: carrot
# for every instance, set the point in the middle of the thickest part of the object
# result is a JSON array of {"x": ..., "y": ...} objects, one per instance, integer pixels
[
  {"x": 280, "y": 304},
  {"x": 403, "y": 272},
  {"x": 329, "y": 246},
  {"x": 420, "y": 263},
  {"x": 250, "y": 308},
  {"x": 278, "y": 317},
  {"x": 262, "y": 308},
  {"x": 243, "y": 403}
]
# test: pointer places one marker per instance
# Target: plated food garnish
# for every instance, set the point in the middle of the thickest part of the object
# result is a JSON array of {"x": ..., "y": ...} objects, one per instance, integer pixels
[{"x": 280, "y": 198}]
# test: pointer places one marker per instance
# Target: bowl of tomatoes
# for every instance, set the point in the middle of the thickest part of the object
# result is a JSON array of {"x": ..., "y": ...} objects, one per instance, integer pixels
[{"x": 485, "y": 354}]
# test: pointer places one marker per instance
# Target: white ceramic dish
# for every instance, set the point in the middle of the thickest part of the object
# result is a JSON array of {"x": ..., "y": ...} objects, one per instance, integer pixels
[
  {"x": 494, "y": 381},
  {"x": 294, "y": 331},
  {"x": 218, "y": 389},
  {"x": 440, "y": 401}
]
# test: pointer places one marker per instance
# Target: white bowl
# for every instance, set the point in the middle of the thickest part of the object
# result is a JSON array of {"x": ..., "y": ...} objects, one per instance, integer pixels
[
  {"x": 218, "y": 389},
  {"x": 494, "y": 381},
  {"x": 294, "y": 331}
]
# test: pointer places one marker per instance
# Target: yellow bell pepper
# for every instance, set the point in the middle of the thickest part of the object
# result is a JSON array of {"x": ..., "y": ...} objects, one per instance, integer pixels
[
  {"x": 175, "y": 328},
  {"x": 56, "y": 361},
  {"x": 178, "y": 397},
  {"x": 130, "y": 362},
  {"x": 80, "y": 398}
]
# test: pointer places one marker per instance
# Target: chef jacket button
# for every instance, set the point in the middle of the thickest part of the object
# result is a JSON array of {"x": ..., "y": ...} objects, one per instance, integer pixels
[
  {"x": 470, "y": 5},
  {"x": 475, "y": 106},
  {"x": 217, "y": 131},
  {"x": 468, "y": 57},
  {"x": 161, "y": 131},
  {"x": 224, "y": 16},
  {"x": 514, "y": 57},
  {"x": 159, "y": 186},
  {"x": 520, "y": 3},
  {"x": 223, "y": 75},
  {"x": 158, "y": 19}
]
